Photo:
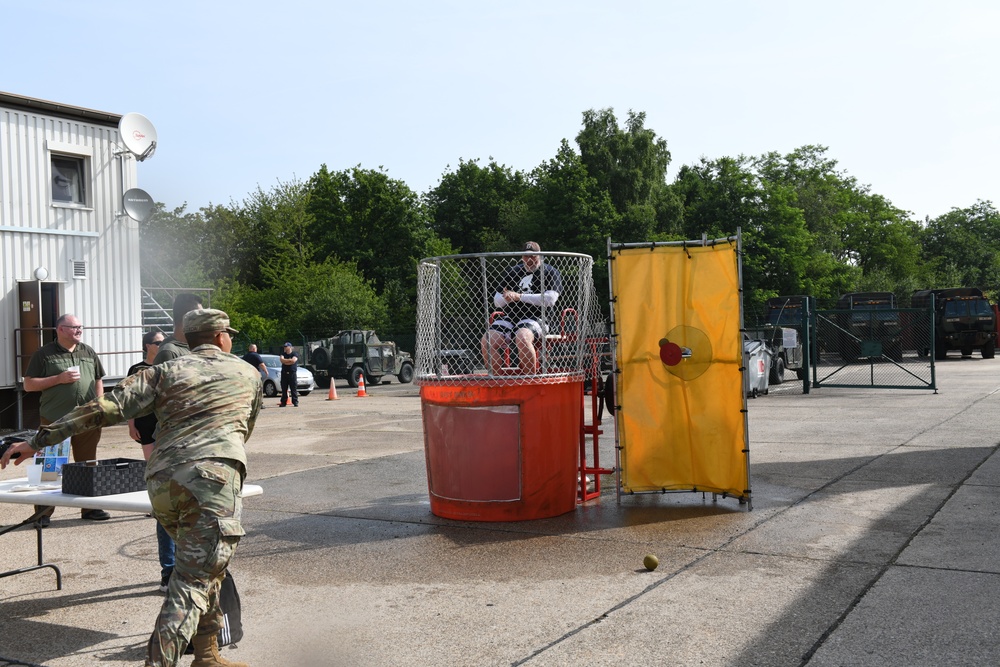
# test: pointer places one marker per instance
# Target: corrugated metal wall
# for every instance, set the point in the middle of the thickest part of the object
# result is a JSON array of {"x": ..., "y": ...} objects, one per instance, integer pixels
[{"x": 35, "y": 233}]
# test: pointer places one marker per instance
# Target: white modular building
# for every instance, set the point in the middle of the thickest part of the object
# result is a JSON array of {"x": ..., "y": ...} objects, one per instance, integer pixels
[{"x": 66, "y": 245}]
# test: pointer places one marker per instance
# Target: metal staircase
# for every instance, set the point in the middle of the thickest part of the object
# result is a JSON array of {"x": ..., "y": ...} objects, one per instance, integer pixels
[{"x": 157, "y": 305}]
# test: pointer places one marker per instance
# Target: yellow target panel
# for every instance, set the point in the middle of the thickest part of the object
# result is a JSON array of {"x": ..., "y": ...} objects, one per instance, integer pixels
[{"x": 678, "y": 350}]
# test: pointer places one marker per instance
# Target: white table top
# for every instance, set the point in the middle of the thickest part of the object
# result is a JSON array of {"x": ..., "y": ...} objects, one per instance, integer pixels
[{"x": 137, "y": 501}]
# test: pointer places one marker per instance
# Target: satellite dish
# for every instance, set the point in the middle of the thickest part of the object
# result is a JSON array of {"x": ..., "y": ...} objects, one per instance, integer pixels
[
  {"x": 138, "y": 204},
  {"x": 138, "y": 135}
]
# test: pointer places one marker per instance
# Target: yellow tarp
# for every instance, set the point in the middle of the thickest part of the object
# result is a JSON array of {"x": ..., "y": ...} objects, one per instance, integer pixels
[{"x": 680, "y": 426}]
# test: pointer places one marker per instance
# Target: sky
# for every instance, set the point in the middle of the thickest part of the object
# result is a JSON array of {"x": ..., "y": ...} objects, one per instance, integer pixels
[{"x": 245, "y": 95}]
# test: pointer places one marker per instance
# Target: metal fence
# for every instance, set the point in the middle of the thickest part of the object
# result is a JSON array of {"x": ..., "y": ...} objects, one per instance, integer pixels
[
  {"x": 883, "y": 348},
  {"x": 471, "y": 326}
]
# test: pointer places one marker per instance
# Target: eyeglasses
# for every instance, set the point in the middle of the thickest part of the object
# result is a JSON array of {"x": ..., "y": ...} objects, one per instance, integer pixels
[
  {"x": 76, "y": 328},
  {"x": 155, "y": 342}
]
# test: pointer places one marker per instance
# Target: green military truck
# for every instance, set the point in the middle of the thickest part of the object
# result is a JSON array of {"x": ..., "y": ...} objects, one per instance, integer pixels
[
  {"x": 869, "y": 326},
  {"x": 784, "y": 315},
  {"x": 963, "y": 320},
  {"x": 781, "y": 331},
  {"x": 355, "y": 353}
]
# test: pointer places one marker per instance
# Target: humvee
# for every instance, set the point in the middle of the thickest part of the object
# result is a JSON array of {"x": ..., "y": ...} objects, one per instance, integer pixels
[{"x": 355, "y": 352}]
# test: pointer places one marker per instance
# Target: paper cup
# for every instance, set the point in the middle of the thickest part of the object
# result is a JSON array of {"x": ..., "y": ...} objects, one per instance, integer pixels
[
  {"x": 34, "y": 473},
  {"x": 75, "y": 369}
]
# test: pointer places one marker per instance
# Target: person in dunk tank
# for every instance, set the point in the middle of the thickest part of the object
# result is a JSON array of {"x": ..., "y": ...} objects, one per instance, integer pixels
[{"x": 521, "y": 293}]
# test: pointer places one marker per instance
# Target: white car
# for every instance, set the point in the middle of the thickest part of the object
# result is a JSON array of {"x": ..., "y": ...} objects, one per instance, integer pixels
[{"x": 272, "y": 383}]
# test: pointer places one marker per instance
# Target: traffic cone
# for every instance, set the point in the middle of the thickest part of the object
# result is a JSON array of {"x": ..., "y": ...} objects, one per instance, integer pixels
[
  {"x": 332, "y": 395},
  {"x": 361, "y": 387}
]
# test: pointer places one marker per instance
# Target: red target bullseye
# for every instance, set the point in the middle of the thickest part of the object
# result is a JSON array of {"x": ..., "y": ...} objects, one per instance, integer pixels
[{"x": 670, "y": 353}]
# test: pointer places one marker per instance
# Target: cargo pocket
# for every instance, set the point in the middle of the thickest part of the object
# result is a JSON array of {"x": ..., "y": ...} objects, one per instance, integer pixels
[
  {"x": 215, "y": 472},
  {"x": 231, "y": 528}
]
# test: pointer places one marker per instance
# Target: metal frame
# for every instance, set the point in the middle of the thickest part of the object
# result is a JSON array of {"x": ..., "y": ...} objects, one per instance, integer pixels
[
  {"x": 883, "y": 360},
  {"x": 34, "y": 520},
  {"x": 703, "y": 242}
]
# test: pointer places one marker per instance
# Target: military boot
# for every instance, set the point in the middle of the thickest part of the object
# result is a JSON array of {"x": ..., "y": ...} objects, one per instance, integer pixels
[{"x": 206, "y": 653}]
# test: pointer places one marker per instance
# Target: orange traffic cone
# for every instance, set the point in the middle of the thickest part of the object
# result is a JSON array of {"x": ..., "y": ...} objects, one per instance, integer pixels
[
  {"x": 361, "y": 387},
  {"x": 332, "y": 395}
]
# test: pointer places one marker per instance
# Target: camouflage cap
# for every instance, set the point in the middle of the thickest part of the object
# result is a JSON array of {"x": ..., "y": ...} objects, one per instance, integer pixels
[{"x": 207, "y": 319}]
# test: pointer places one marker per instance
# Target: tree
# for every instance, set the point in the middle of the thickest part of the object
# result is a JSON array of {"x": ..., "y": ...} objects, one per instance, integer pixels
[
  {"x": 857, "y": 238},
  {"x": 963, "y": 247},
  {"x": 471, "y": 205},
  {"x": 170, "y": 256},
  {"x": 275, "y": 228},
  {"x": 304, "y": 301},
  {"x": 227, "y": 243},
  {"x": 723, "y": 196},
  {"x": 378, "y": 223},
  {"x": 630, "y": 164}
]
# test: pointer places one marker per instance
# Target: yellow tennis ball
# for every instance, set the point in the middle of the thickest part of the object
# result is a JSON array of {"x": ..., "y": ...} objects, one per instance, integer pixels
[{"x": 650, "y": 562}]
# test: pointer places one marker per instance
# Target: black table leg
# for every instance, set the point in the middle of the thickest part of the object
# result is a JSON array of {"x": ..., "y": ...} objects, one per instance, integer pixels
[{"x": 35, "y": 519}]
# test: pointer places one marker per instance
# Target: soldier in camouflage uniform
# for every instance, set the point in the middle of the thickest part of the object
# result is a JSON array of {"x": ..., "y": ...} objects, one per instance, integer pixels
[{"x": 206, "y": 404}]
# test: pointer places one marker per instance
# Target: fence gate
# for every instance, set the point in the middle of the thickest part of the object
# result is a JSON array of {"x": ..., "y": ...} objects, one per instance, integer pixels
[{"x": 890, "y": 348}]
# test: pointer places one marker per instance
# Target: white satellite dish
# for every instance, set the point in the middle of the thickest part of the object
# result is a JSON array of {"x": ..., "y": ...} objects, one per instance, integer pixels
[
  {"x": 138, "y": 204},
  {"x": 138, "y": 135}
]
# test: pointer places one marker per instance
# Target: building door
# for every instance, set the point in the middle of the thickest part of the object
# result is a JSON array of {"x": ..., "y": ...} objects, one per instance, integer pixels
[
  {"x": 29, "y": 336},
  {"x": 38, "y": 309}
]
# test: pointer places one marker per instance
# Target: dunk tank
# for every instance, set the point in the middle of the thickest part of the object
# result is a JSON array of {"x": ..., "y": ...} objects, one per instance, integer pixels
[{"x": 503, "y": 412}]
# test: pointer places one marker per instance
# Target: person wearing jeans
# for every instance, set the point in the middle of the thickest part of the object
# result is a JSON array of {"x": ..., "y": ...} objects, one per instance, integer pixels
[{"x": 141, "y": 430}]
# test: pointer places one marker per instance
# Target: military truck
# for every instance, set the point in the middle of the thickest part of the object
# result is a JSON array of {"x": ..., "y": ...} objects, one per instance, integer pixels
[
  {"x": 870, "y": 327},
  {"x": 963, "y": 320},
  {"x": 783, "y": 332},
  {"x": 352, "y": 353}
]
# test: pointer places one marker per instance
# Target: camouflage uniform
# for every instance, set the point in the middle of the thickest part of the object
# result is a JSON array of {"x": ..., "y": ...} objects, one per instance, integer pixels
[
  {"x": 170, "y": 348},
  {"x": 206, "y": 404}
]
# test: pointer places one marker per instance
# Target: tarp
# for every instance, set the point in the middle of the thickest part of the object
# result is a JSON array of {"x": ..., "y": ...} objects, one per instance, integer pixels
[{"x": 681, "y": 425}]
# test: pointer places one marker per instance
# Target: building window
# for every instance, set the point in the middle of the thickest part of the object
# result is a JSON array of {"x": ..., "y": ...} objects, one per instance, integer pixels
[{"x": 68, "y": 179}]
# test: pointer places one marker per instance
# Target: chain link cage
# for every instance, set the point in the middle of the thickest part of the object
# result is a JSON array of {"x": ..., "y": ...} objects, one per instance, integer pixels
[{"x": 487, "y": 319}]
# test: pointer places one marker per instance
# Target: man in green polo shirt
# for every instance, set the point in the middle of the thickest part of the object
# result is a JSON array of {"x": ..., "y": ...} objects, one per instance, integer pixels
[{"x": 68, "y": 373}]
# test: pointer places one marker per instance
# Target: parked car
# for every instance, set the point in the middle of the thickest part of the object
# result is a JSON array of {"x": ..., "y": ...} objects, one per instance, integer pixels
[{"x": 272, "y": 383}]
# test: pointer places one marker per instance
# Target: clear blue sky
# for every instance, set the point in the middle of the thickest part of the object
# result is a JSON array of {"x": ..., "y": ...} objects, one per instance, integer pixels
[{"x": 905, "y": 93}]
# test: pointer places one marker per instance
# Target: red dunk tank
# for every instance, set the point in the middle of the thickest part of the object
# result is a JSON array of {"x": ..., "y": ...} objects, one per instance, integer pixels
[
  {"x": 502, "y": 410},
  {"x": 502, "y": 453}
]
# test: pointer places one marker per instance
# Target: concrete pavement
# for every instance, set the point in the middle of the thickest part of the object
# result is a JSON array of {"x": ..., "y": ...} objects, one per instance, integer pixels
[{"x": 873, "y": 541}]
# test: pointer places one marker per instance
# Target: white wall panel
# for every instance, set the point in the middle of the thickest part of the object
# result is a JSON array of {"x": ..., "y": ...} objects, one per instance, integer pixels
[{"x": 36, "y": 233}]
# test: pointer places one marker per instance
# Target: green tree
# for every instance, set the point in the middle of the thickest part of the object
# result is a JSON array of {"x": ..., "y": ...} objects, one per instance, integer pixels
[
  {"x": 471, "y": 206},
  {"x": 565, "y": 209},
  {"x": 379, "y": 224},
  {"x": 963, "y": 247},
  {"x": 274, "y": 227},
  {"x": 304, "y": 301},
  {"x": 858, "y": 238},
  {"x": 171, "y": 255},
  {"x": 631, "y": 166},
  {"x": 221, "y": 243},
  {"x": 724, "y": 195}
]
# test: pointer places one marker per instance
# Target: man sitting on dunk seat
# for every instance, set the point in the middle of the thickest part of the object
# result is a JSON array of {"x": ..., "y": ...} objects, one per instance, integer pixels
[{"x": 522, "y": 293}]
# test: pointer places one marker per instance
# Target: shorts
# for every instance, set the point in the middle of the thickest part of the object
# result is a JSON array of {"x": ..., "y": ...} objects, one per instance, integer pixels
[{"x": 537, "y": 328}]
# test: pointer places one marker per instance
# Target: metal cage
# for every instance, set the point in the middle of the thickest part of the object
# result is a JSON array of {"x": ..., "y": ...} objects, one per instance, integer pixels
[{"x": 462, "y": 334}]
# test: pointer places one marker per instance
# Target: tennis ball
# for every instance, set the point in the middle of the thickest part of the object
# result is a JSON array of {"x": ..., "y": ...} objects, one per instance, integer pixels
[{"x": 650, "y": 562}]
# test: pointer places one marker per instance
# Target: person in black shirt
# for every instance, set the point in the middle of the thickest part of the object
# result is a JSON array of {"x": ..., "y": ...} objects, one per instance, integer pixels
[
  {"x": 289, "y": 376},
  {"x": 141, "y": 429},
  {"x": 523, "y": 293},
  {"x": 252, "y": 358}
]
